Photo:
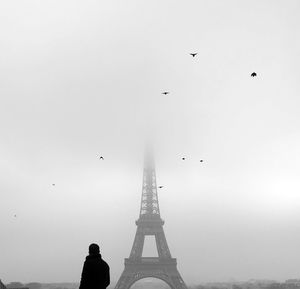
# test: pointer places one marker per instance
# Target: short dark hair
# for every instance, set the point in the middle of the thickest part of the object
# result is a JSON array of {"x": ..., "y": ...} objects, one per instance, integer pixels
[{"x": 94, "y": 249}]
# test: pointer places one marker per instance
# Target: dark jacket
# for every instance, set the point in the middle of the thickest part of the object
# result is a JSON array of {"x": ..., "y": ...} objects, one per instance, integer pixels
[{"x": 95, "y": 273}]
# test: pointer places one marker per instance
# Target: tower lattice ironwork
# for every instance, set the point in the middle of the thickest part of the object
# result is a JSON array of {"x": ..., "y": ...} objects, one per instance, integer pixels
[{"x": 163, "y": 267}]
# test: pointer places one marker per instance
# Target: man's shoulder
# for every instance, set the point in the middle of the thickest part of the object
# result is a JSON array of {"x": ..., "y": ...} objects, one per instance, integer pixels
[{"x": 104, "y": 263}]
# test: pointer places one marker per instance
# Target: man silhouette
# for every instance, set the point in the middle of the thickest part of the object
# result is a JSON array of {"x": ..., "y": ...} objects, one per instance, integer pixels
[{"x": 95, "y": 272}]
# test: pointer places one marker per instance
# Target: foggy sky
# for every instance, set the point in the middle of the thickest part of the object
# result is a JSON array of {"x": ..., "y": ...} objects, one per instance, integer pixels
[{"x": 84, "y": 78}]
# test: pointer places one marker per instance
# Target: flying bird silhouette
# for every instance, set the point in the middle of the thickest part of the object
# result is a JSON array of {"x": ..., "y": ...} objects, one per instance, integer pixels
[
  {"x": 201, "y": 161},
  {"x": 193, "y": 54},
  {"x": 253, "y": 74},
  {"x": 101, "y": 158},
  {"x": 165, "y": 92},
  {"x": 53, "y": 184},
  {"x": 183, "y": 159},
  {"x": 160, "y": 187}
]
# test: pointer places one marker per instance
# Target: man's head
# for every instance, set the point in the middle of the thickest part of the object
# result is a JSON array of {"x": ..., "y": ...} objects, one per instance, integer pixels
[{"x": 94, "y": 249}]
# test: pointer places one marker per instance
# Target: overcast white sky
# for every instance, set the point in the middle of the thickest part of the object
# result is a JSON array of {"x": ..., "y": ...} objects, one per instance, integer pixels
[{"x": 81, "y": 78}]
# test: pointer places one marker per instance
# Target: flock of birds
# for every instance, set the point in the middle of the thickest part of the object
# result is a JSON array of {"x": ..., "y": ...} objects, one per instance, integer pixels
[{"x": 253, "y": 74}]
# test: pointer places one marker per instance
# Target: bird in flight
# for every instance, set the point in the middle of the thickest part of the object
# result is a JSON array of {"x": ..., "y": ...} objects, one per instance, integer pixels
[
  {"x": 193, "y": 54},
  {"x": 201, "y": 161},
  {"x": 165, "y": 92},
  {"x": 253, "y": 74},
  {"x": 53, "y": 184},
  {"x": 101, "y": 158},
  {"x": 183, "y": 159},
  {"x": 160, "y": 187}
]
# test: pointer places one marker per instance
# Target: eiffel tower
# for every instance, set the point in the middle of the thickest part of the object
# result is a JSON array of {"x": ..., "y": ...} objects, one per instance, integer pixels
[{"x": 163, "y": 267}]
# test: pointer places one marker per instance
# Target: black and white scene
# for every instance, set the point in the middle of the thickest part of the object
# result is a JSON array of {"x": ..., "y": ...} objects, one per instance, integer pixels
[{"x": 149, "y": 144}]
